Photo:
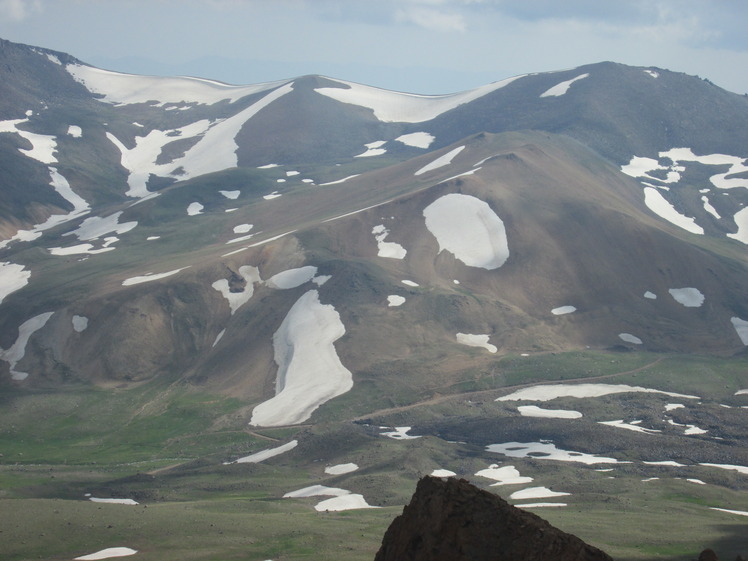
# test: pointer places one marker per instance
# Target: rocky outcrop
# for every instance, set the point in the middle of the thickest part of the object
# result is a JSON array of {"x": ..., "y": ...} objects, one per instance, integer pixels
[{"x": 452, "y": 520}]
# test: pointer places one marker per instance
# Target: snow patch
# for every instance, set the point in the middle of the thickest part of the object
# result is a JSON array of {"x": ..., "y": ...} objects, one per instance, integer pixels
[
  {"x": 75, "y": 131},
  {"x": 442, "y": 473},
  {"x": 194, "y": 209},
  {"x": 400, "y": 433},
  {"x": 546, "y": 451},
  {"x": 236, "y": 300},
  {"x": 373, "y": 149},
  {"x": 468, "y": 228},
  {"x": 658, "y": 204},
  {"x": 230, "y": 194},
  {"x": 688, "y": 297},
  {"x": 391, "y": 250},
  {"x": 80, "y": 323},
  {"x": 650, "y": 295},
  {"x": 107, "y": 553},
  {"x": 242, "y": 228},
  {"x": 563, "y": 87},
  {"x": 562, "y": 310},
  {"x": 536, "y": 493},
  {"x": 309, "y": 370},
  {"x": 393, "y": 300},
  {"x": 113, "y": 501},
  {"x": 629, "y": 338},
  {"x": 338, "y": 181},
  {"x": 739, "y": 469},
  {"x": 340, "y": 469},
  {"x": 148, "y": 277},
  {"x": 628, "y": 426},
  {"x": 476, "y": 341},
  {"x": 410, "y": 283},
  {"x": 553, "y": 391},
  {"x": 263, "y": 455},
  {"x": 535, "y": 411},
  {"x": 292, "y": 278},
  {"x": 441, "y": 161},
  {"x": 504, "y": 475},
  {"x": 741, "y": 221},
  {"x": 13, "y": 277},
  {"x": 738, "y": 512},
  {"x": 416, "y": 139},
  {"x": 17, "y": 351},
  {"x": 96, "y": 226},
  {"x": 740, "y": 325}
]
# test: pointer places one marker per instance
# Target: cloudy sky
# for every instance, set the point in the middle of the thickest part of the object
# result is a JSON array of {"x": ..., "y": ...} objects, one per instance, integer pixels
[{"x": 421, "y": 46}]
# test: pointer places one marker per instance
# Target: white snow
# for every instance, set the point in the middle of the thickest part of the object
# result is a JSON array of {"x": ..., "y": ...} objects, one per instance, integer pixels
[
  {"x": 673, "y": 406},
  {"x": 628, "y": 426},
  {"x": 80, "y": 323},
  {"x": 389, "y": 106},
  {"x": 268, "y": 166},
  {"x": 393, "y": 300},
  {"x": 230, "y": 194},
  {"x": 113, "y": 501},
  {"x": 263, "y": 455},
  {"x": 468, "y": 228},
  {"x": 75, "y": 131},
  {"x": 441, "y": 161},
  {"x": 539, "y": 505},
  {"x": 373, "y": 149},
  {"x": 96, "y": 226},
  {"x": 742, "y": 392},
  {"x": 340, "y": 469},
  {"x": 107, "y": 553},
  {"x": 121, "y": 88},
  {"x": 236, "y": 300},
  {"x": 653, "y": 73},
  {"x": 738, "y": 512},
  {"x": 16, "y": 352},
  {"x": 13, "y": 277},
  {"x": 292, "y": 278},
  {"x": 78, "y": 249},
  {"x": 536, "y": 493},
  {"x": 309, "y": 370},
  {"x": 563, "y": 87},
  {"x": 271, "y": 196},
  {"x": 629, "y": 338},
  {"x": 546, "y": 451},
  {"x": 243, "y": 238},
  {"x": 410, "y": 283},
  {"x": 344, "y": 502},
  {"x": 669, "y": 463},
  {"x": 337, "y": 181},
  {"x": 741, "y": 221},
  {"x": 315, "y": 491},
  {"x": 319, "y": 280},
  {"x": 43, "y": 146},
  {"x": 739, "y": 469},
  {"x": 480, "y": 340},
  {"x": 563, "y": 310},
  {"x": 709, "y": 208},
  {"x": 690, "y": 429},
  {"x": 242, "y": 228},
  {"x": 194, "y": 209},
  {"x": 390, "y": 250},
  {"x": 697, "y": 481},
  {"x": 400, "y": 433},
  {"x": 442, "y": 473},
  {"x": 658, "y": 204},
  {"x": 552, "y": 391},
  {"x": 689, "y": 297},
  {"x": 416, "y": 139},
  {"x": 535, "y": 411},
  {"x": 650, "y": 295},
  {"x": 148, "y": 277},
  {"x": 218, "y": 337},
  {"x": 504, "y": 475}
]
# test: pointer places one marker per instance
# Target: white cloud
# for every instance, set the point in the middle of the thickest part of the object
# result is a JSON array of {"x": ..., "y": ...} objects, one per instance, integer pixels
[
  {"x": 18, "y": 10},
  {"x": 430, "y": 18}
]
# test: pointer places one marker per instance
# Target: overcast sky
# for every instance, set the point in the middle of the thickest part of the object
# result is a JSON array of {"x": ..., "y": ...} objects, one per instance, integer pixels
[{"x": 420, "y": 46}]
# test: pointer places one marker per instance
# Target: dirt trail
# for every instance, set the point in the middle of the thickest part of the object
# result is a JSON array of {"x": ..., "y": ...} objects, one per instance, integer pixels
[{"x": 442, "y": 398}]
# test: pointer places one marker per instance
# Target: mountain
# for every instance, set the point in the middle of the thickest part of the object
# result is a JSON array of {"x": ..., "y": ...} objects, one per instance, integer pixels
[{"x": 193, "y": 272}]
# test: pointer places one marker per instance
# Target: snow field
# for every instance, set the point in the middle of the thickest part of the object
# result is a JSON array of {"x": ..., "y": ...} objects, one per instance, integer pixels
[
  {"x": 468, "y": 228},
  {"x": 629, "y": 338},
  {"x": 263, "y": 455},
  {"x": 633, "y": 426},
  {"x": 535, "y": 411},
  {"x": 393, "y": 300},
  {"x": 80, "y": 323},
  {"x": 342, "y": 499},
  {"x": 504, "y": 475},
  {"x": 43, "y": 146},
  {"x": 236, "y": 300},
  {"x": 107, "y": 553},
  {"x": 552, "y": 391},
  {"x": 546, "y": 451},
  {"x": 397, "y": 107},
  {"x": 400, "y": 433},
  {"x": 442, "y": 473},
  {"x": 341, "y": 469},
  {"x": 688, "y": 297},
  {"x": 309, "y": 370},
  {"x": 13, "y": 277},
  {"x": 562, "y": 88},
  {"x": 130, "y": 502},
  {"x": 373, "y": 149},
  {"x": 664, "y": 209},
  {"x": 194, "y": 209},
  {"x": 476, "y": 341},
  {"x": 148, "y": 277},
  {"x": 562, "y": 310},
  {"x": 536, "y": 493},
  {"x": 390, "y": 250},
  {"x": 292, "y": 278},
  {"x": 416, "y": 139},
  {"x": 17, "y": 351}
]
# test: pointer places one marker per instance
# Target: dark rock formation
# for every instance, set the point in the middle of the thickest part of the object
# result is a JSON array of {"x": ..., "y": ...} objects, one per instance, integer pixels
[{"x": 452, "y": 520}]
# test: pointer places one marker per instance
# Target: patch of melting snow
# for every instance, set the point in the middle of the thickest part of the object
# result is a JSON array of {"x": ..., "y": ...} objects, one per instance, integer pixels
[
  {"x": 319, "y": 280},
  {"x": 688, "y": 297},
  {"x": 340, "y": 469},
  {"x": 690, "y": 429},
  {"x": 337, "y": 181},
  {"x": 535, "y": 411},
  {"x": 697, "y": 481},
  {"x": 709, "y": 208},
  {"x": 480, "y": 340},
  {"x": 670, "y": 463},
  {"x": 650, "y": 479},
  {"x": 230, "y": 194},
  {"x": 236, "y": 300},
  {"x": 13, "y": 277},
  {"x": 468, "y": 228},
  {"x": 391, "y": 250},
  {"x": 400, "y": 433},
  {"x": 658, "y": 204},
  {"x": 292, "y": 278},
  {"x": 315, "y": 491},
  {"x": 373, "y": 149},
  {"x": 17, "y": 351},
  {"x": 629, "y": 338},
  {"x": 563, "y": 87},
  {"x": 652, "y": 73},
  {"x": 673, "y": 406},
  {"x": 194, "y": 209},
  {"x": 536, "y": 493},
  {"x": 268, "y": 166},
  {"x": 504, "y": 475},
  {"x": 393, "y": 300},
  {"x": 738, "y": 512},
  {"x": 107, "y": 553},
  {"x": 416, "y": 139},
  {"x": 87, "y": 248},
  {"x": 410, "y": 283},
  {"x": 148, "y": 277},
  {"x": 742, "y": 392},
  {"x": 309, "y": 370},
  {"x": 442, "y": 473},
  {"x": 94, "y": 227},
  {"x": 342, "y": 498},
  {"x": 552, "y": 391},
  {"x": 739, "y": 469},
  {"x": 741, "y": 328},
  {"x": 242, "y": 228},
  {"x": 113, "y": 501},
  {"x": 75, "y": 131},
  {"x": 80, "y": 323},
  {"x": 540, "y": 505},
  {"x": 441, "y": 161},
  {"x": 43, "y": 146},
  {"x": 219, "y": 337},
  {"x": 563, "y": 310},
  {"x": 263, "y": 455},
  {"x": 292, "y": 173},
  {"x": 547, "y": 451},
  {"x": 650, "y": 295},
  {"x": 741, "y": 221},
  {"x": 633, "y": 426},
  {"x": 271, "y": 196}
]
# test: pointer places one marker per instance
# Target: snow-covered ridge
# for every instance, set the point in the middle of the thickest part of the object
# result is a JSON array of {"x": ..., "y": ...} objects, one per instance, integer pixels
[
  {"x": 120, "y": 88},
  {"x": 399, "y": 107}
]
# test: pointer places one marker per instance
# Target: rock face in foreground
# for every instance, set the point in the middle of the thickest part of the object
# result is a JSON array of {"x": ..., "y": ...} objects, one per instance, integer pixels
[{"x": 452, "y": 520}]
